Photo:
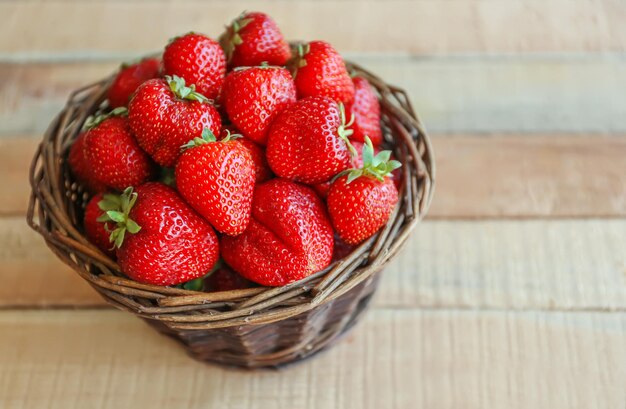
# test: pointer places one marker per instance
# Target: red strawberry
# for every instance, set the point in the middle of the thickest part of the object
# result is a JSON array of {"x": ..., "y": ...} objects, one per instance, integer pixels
[
  {"x": 308, "y": 142},
  {"x": 115, "y": 158},
  {"x": 165, "y": 114},
  {"x": 322, "y": 188},
  {"x": 225, "y": 279},
  {"x": 80, "y": 168},
  {"x": 365, "y": 112},
  {"x": 361, "y": 201},
  {"x": 217, "y": 179},
  {"x": 160, "y": 239},
  {"x": 198, "y": 60},
  {"x": 129, "y": 78},
  {"x": 253, "y": 38},
  {"x": 289, "y": 236},
  {"x": 98, "y": 233},
  {"x": 254, "y": 96},
  {"x": 320, "y": 70}
]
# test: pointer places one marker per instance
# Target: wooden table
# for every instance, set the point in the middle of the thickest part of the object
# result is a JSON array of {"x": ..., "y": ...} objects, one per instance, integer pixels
[{"x": 512, "y": 294}]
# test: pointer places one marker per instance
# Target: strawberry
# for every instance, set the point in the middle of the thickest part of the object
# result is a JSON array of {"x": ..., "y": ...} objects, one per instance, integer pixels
[
  {"x": 365, "y": 111},
  {"x": 322, "y": 189},
  {"x": 164, "y": 114},
  {"x": 80, "y": 168},
  {"x": 320, "y": 70},
  {"x": 308, "y": 142},
  {"x": 289, "y": 236},
  {"x": 115, "y": 158},
  {"x": 160, "y": 240},
  {"x": 198, "y": 60},
  {"x": 254, "y": 96},
  {"x": 129, "y": 78},
  {"x": 361, "y": 200},
  {"x": 98, "y": 233},
  {"x": 253, "y": 38},
  {"x": 225, "y": 279},
  {"x": 217, "y": 179}
]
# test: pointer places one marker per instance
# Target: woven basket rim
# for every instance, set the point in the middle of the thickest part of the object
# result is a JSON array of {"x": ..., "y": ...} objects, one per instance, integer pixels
[{"x": 53, "y": 213}]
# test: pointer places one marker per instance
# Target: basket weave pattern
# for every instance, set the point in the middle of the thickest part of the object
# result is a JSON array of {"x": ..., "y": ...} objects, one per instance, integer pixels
[{"x": 253, "y": 327}]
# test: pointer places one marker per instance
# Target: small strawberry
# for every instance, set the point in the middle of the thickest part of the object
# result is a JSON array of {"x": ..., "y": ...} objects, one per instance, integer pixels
[
  {"x": 160, "y": 240},
  {"x": 217, "y": 179},
  {"x": 253, "y": 38},
  {"x": 289, "y": 236},
  {"x": 164, "y": 114},
  {"x": 365, "y": 109},
  {"x": 322, "y": 189},
  {"x": 197, "y": 59},
  {"x": 361, "y": 200},
  {"x": 225, "y": 279},
  {"x": 81, "y": 168},
  {"x": 115, "y": 158},
  {"x": 254, "y": 96},
  {"x": 130, "y": 78},
  {"x": 308, "y": 142},
  {"x": 320, "y": 70},
  {"x": 98, "y": 233}
]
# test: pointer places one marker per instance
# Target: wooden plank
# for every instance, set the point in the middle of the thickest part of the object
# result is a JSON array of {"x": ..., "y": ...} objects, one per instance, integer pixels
[
  {"x": 546, "y": 265},
  {"x": 421, "y": 26},
  {"x": 478, "y": 177},
  {"x": 395, "y": 359},
  {"x": 451, "y": 95}
]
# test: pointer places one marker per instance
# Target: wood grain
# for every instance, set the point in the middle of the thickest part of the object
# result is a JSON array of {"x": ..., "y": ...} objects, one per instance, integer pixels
[
  {"x": 526, "y": 265},
  {"x": 422, "y": 359},
  {"x": 421, "y": 26},
  {"x": 451, "y": 95},
  {"x": 510, "y": 176}
]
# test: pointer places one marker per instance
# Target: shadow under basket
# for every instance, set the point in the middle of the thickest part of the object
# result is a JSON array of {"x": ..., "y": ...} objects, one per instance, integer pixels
[{"x": 253, "y": 327}]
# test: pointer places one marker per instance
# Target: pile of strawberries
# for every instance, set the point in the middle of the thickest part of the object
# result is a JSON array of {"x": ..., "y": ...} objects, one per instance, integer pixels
[{"x": 244, "y": 148}]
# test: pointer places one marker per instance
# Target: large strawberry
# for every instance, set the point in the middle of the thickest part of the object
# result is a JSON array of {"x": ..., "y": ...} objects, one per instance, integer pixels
[
  {"x": 289, "y": 236},
  {"x": 217, "y": 179},
  {"x": 115, "y": 158},
  {"x": 160, "y": 239},
  {"x": 130, "y": 77},
  {"x": 97, "y": 232},
  {"x": 361, "y": 201},
  {"x": 81, "y": 168},
  {"x": 308, "y": 142},
  {"x": 254, "y": 96},
  {"x": 253, "y": 38},
  {"x": 164, "y": 114},
  {"x": 365, "y": 112},
  {"x": 198, "y": 60},
  {"x": 320, "y": 70}
]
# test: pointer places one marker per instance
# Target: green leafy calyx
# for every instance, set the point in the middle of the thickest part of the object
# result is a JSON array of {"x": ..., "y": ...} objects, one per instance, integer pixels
[
  {"x": 93, "y": 121},
  {"x": 116, "y": 210},
  {"x": 182, "y": 91},
  {"x": 378, "y": 166},
  {"x": 231, "y": 38},
  {"x": 208, "y": 137}
]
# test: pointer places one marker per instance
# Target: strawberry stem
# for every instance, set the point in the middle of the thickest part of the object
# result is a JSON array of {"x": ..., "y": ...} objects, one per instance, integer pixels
[
  {"x": 377, "y": 166},
  {"x": 116, "y": 210},
  {"x": 93, "y": 121},
  {"x": 181, "y": 90}
]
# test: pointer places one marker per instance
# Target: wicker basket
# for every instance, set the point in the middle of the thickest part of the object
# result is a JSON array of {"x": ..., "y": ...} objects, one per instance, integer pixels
[{"x": 254, "y": 327}]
